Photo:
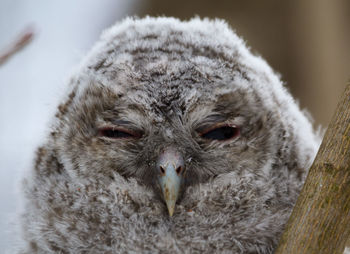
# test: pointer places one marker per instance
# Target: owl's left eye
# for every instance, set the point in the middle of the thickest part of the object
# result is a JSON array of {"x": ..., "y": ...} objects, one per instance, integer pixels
[
  {"x": 117, "y": 133},
  {"x": 221, "y": 132}
]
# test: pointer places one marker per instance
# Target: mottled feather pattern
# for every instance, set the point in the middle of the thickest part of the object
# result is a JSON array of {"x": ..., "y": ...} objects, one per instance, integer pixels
[{"x": 167, "y": 79}]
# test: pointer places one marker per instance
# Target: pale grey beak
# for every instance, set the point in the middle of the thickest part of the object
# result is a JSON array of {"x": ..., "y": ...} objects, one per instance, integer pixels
[{"x": 171, "y": 171}]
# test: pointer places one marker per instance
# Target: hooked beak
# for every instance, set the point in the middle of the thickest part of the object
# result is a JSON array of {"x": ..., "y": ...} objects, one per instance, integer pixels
[{"x": 171, "y": 170}]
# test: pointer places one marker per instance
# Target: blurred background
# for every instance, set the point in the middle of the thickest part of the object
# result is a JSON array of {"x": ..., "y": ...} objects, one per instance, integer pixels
[{"x": 307, "y": 42}]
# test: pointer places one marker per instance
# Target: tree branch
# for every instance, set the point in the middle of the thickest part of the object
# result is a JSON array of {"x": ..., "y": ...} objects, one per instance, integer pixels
[{"x": 320, "y": 222}]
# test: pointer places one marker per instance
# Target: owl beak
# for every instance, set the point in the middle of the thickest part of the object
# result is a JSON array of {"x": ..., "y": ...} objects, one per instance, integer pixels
[{"x": 171, "y": 169}]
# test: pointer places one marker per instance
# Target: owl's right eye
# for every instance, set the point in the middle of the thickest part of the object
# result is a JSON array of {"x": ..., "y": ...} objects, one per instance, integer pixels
[{"x": 117, "y": 133}]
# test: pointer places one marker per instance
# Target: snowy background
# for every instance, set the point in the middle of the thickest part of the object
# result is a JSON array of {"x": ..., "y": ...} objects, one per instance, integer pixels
[{"x": 32, "y": 82}]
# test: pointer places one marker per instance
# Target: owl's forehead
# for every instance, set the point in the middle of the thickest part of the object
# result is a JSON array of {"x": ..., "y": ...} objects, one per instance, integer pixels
[
  {"x": 163, "y": 68},
  {"x": 164, "y": 88},
  {"x": 168, "y": 87},
  {"x": 164, "y": 93}
]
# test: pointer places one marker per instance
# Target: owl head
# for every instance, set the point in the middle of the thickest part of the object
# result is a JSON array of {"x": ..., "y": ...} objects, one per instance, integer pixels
[{"x": 175, "y": 104}]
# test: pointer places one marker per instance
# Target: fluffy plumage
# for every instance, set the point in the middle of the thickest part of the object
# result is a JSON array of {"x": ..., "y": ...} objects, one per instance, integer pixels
[{"x": 167, "y": 80}]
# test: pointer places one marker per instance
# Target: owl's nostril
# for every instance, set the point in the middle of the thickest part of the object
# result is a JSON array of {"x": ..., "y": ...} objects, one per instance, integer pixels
[
  {"x": 179, "y": 170},
  {"x": 162, "y": 170}
]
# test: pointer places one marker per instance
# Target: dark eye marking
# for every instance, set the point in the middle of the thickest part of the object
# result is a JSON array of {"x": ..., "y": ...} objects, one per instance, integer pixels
[
  {"x": 221, "y": 132},
  {"x": 117, "y": 133}
]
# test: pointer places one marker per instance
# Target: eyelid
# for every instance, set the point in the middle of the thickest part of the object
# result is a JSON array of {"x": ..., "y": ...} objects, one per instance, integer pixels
[
  {"x": 134, "y": 133},
  {"x": 121, "y": 122},
  {"x": 205, "y": 129},
  {"x": 218, "y": 120},
  {"x": 213, "y": 119}
]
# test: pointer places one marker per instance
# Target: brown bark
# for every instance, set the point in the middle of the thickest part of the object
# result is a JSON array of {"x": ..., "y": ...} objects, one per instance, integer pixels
[{"x": 320, "y": 222}]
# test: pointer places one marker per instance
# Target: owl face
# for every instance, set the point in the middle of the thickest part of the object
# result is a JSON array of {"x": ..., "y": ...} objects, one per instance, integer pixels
[
  {"x": 175, "y": 107},
  {"x": 141, "y": 126}
]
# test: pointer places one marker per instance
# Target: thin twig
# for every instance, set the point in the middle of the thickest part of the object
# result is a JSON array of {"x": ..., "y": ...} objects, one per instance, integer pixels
[{"x": 24, "y": 38}]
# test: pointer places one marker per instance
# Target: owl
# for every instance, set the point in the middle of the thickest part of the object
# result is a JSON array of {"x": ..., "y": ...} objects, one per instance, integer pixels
[{"x": 173, "y": 138}]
